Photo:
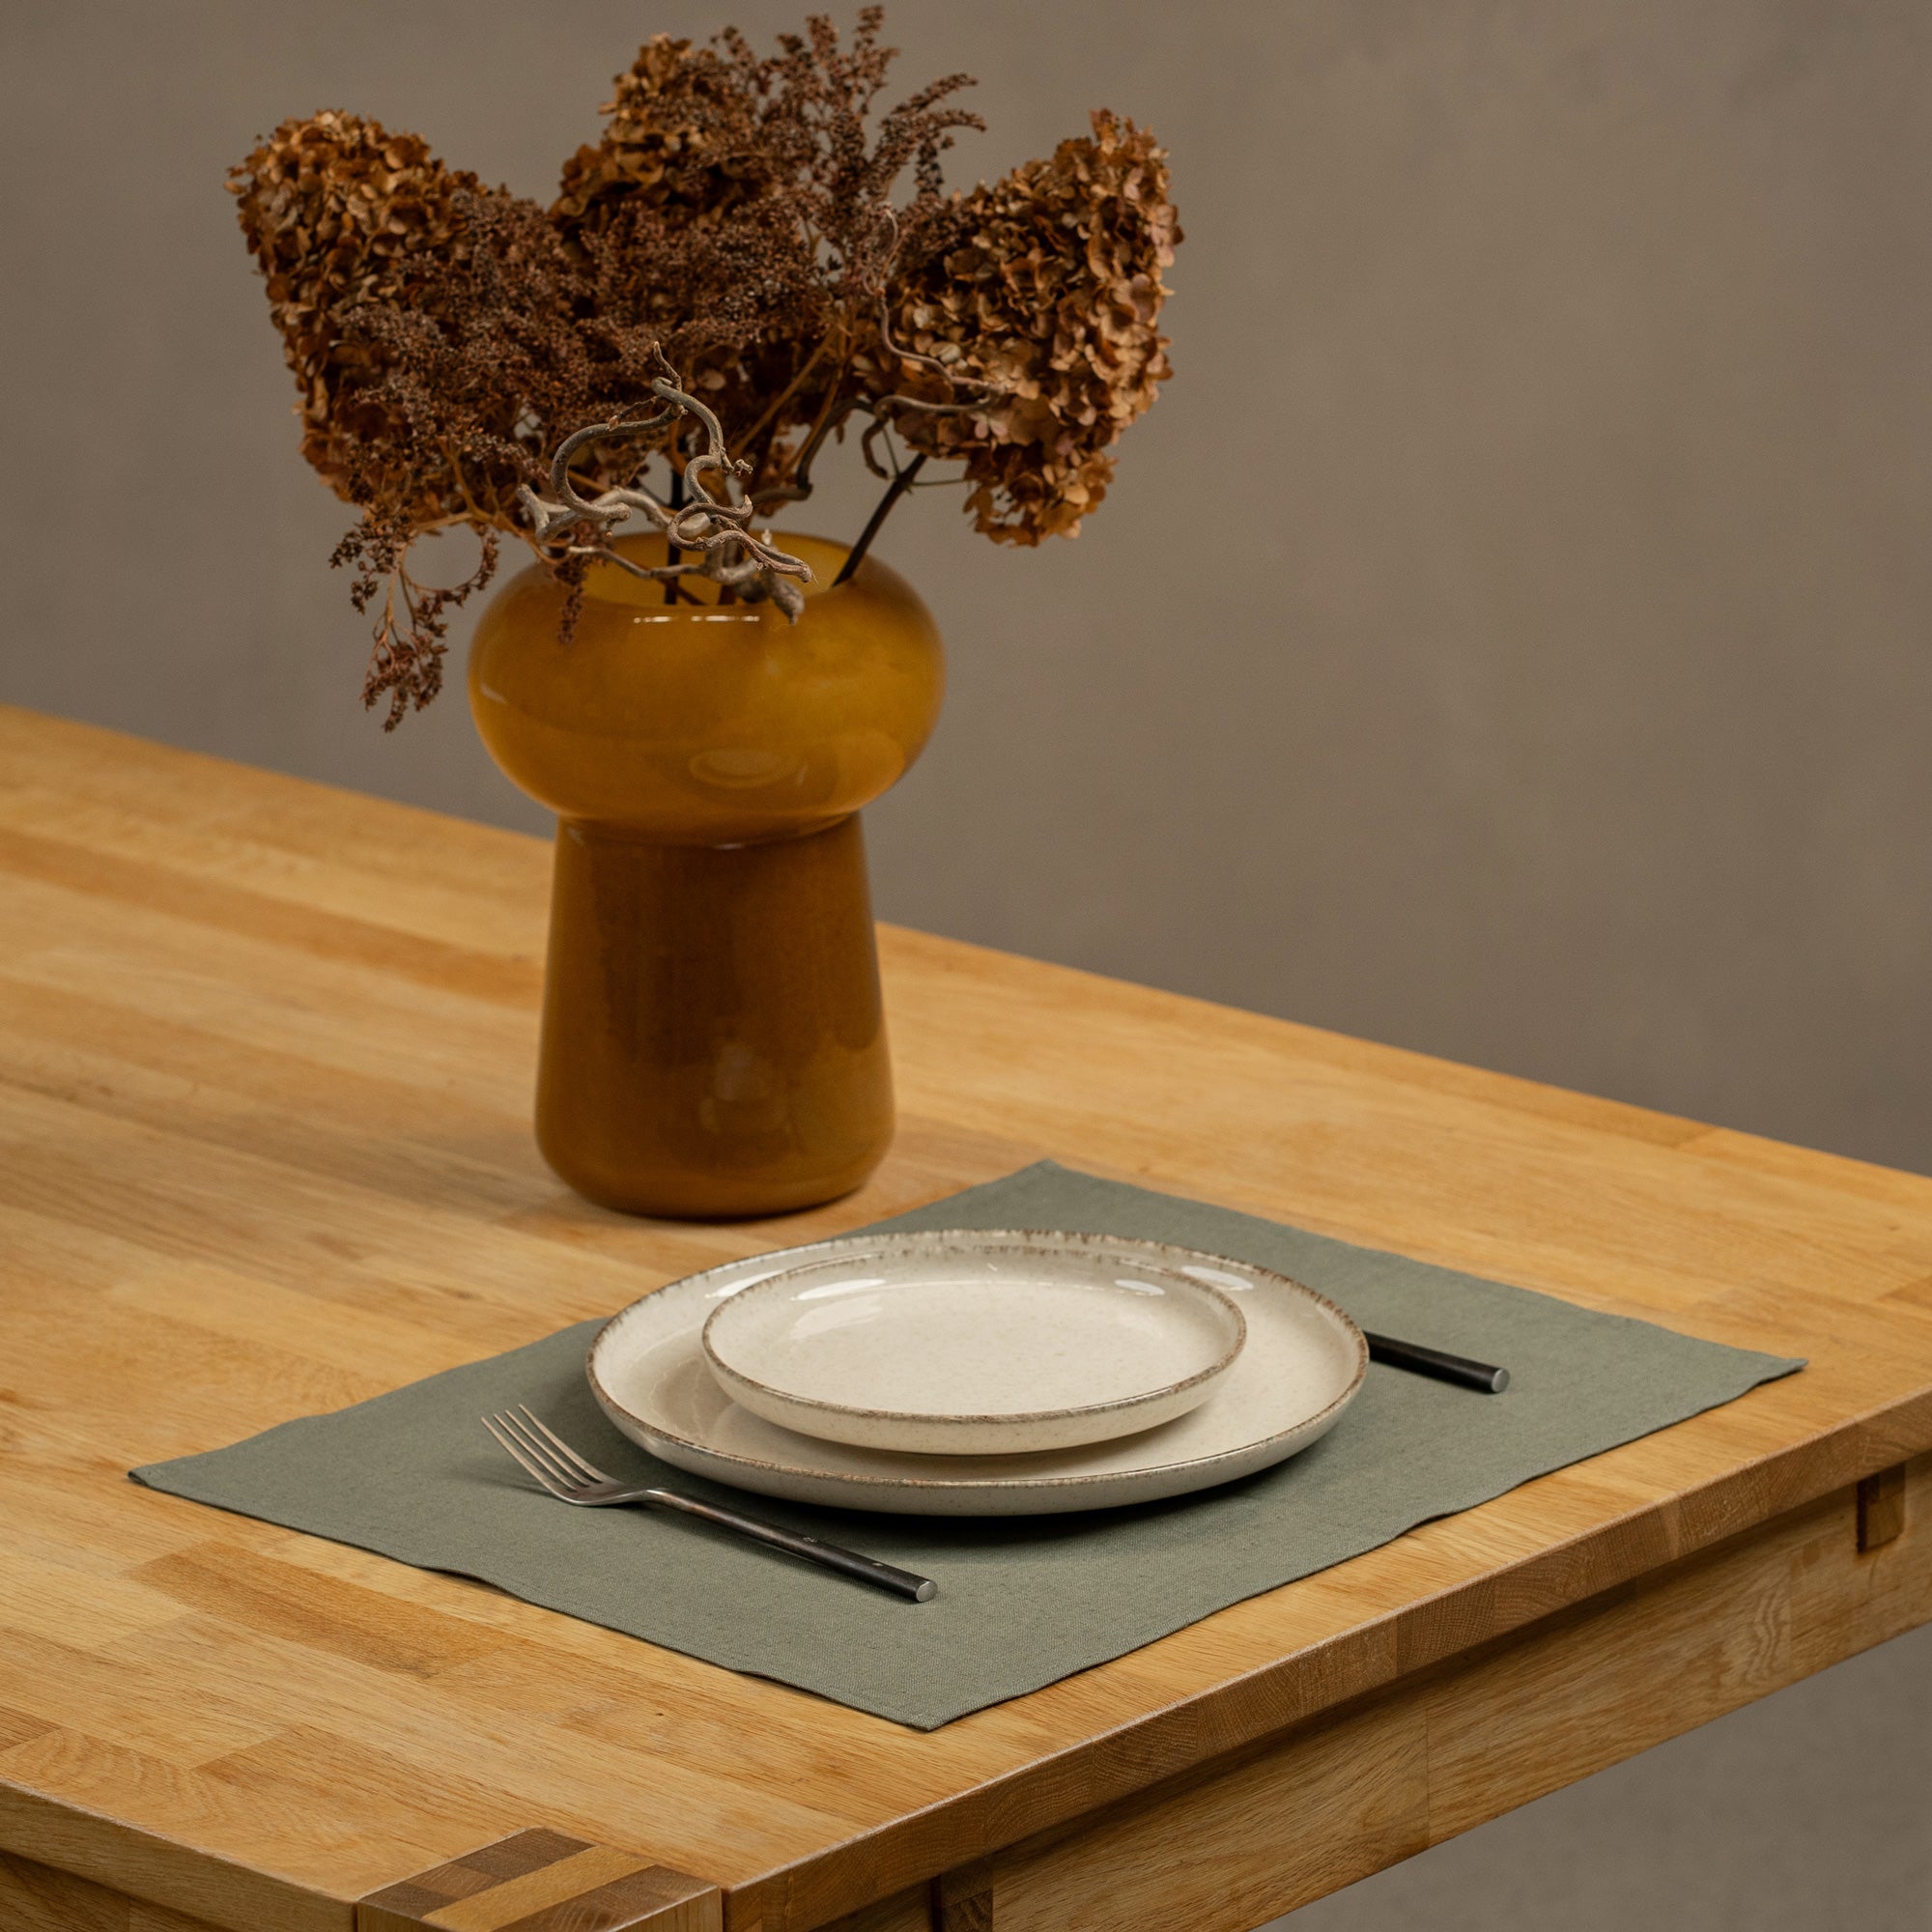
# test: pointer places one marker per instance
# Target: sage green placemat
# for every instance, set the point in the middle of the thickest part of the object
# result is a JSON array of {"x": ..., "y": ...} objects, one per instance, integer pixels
[{"x": 1021, "y": 1601}]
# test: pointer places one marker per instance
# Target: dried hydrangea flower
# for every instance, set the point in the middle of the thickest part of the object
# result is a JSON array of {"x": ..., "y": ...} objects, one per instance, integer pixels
[
  {"x": 1052, "y": 288},
  {"x": 341, "y": 213},
  {"x": 680, "y": 134}
]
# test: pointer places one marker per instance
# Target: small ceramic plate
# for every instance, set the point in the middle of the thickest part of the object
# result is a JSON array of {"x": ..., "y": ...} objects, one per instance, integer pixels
[
  {"x": 973, "y": 1346},
  {"x": 1301, "y": 1367}
]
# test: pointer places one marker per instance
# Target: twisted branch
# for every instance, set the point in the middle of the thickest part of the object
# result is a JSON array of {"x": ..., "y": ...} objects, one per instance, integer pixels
[
  {"x": 990, "y": 391},
  {"x": 711, "y": 525}
]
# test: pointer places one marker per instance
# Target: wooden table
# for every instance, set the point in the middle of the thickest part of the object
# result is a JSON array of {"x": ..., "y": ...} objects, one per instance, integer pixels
[{"x": 265, "y": 1054}]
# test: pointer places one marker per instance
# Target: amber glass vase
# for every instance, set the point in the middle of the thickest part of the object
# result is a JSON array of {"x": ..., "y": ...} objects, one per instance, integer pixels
[{"x": 713, "y": 1038}]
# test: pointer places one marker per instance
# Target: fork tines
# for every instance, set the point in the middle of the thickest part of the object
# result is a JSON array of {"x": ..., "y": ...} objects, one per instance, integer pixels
[{"x": 542, "y": 1453}]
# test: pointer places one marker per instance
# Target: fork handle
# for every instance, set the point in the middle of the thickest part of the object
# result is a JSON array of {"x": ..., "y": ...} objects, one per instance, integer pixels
[
  {"x": 1436, "y": 1362},
  {"x": 827, "y": 1555}
]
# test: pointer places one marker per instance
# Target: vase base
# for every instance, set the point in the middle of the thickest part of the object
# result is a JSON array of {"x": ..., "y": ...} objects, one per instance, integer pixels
[
  {"x": 714, "y": 1043},
  {"x": 706, "y": 1197}
]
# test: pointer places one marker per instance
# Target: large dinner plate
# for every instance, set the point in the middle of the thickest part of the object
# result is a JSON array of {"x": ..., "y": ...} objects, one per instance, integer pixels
[{"x": 1302, "y": 1365}]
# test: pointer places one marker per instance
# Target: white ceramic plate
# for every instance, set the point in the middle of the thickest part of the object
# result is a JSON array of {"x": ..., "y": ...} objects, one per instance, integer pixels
[
  {"x": 974, "y": 1348},
  {"x": 1299, "y": 1369}
]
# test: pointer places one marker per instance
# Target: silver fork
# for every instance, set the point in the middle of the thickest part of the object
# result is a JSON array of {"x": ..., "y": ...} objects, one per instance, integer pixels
[{"x": 543, "y": 1454}]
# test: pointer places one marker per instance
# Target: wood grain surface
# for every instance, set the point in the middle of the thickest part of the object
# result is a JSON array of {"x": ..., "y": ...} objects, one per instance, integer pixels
[{"x": 266, "y": 1056}]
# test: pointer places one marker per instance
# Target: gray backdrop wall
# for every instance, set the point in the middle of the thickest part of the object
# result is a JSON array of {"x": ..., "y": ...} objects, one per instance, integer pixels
[{"x": 1507, "y": 638}]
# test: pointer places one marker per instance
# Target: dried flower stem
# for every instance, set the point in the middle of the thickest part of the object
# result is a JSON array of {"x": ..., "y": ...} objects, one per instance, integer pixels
[
  {"x": 902, "y": 481},
  {"x": 676, "y": 503}
]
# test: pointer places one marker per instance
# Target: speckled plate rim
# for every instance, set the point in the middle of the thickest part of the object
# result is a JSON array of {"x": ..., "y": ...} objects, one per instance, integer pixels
[
  {"x": 913, "y": 1494},
  {"x": 1122, "y": 1408}
]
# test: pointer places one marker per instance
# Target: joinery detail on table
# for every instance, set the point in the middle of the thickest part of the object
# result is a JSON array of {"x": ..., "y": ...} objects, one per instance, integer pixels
[
  {"x": 541, "y": 1881},
  {"x": 266, "y": 1055},
  {"x": 1882, "y": 1507}
]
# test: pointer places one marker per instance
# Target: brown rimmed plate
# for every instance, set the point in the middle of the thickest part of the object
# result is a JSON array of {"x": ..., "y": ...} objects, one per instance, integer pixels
[{"x": 1302, "y": 1365}]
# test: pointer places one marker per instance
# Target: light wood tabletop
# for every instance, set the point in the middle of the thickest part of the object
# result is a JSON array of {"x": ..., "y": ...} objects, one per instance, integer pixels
[{"x": 265, "y": 1059}]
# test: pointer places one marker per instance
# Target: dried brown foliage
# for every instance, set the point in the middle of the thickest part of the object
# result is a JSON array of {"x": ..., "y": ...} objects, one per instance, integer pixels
[
  {"x": 737, "y": 221},
  {"x": 342, "y": 216},
  {"x": 756, "y": 194},
  {"x": 1051, "y": 287}
]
